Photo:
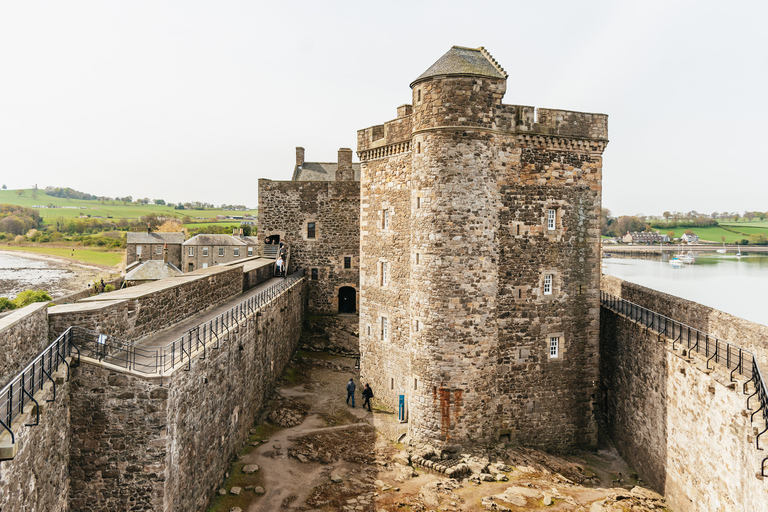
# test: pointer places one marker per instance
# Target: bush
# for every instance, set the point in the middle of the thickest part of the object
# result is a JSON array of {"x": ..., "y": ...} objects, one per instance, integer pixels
[
  {"x": 758, "y": 239},
  {"x": 27, "y": 297},
  {"x": 6, "y": 304},
  {"x": 19, "y": 239},
  {"x": 109, "y": 288}
]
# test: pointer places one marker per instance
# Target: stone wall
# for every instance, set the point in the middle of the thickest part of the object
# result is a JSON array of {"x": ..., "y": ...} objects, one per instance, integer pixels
[
  {"x": 212, "y": 407},
  {"x": 684, "y": 430},
  {"x": 749, "y": 335},
  {"x": 23, "y": 335},
  {"x": 165, "y": 444},
  {"x": 107, "y": 317},
  {"x": 285, "y": 209},
  {"x": 37, "y": 478},
  {"x": 118, "y": 447},
  {"x": 88, "y": 292}
]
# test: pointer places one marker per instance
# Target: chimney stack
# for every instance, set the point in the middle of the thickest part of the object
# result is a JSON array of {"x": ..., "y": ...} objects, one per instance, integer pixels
[
  {"x": 299, "y": 157},
  {"x": 149, "y": 228},
  {"x": 165, "y": 254},
  {"x": 344, "y": 171}
]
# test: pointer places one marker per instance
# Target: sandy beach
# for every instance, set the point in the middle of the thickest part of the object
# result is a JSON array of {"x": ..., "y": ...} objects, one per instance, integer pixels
[{"x": 20, "y": 270}]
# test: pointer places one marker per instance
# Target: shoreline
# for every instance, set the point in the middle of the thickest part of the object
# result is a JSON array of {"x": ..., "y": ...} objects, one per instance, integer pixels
[{"x": 82, "y": 274}]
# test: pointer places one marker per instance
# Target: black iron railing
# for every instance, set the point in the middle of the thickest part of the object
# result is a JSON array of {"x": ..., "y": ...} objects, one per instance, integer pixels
[
  {"x": 20, "y": 391},
  {"x": 716, "y": 351},
  {"x": 193, "y": 342}
]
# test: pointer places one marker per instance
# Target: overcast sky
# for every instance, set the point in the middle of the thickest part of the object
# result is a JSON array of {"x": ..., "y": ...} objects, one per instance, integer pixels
[{"x": 196, "y": 100}]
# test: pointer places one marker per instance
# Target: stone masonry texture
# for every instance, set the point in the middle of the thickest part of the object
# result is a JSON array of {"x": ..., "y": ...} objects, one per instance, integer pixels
[
  {"x": 684, "y": 430},
  {"x": 23, "y": 335},
  {"x": 454, "y": 249},
  {"x": 285, "y": 209}
]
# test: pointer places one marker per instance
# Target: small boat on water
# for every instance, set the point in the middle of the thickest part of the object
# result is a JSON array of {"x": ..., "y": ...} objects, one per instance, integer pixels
[
  {"x": 688, "y": 259},
  {"x": 721, "y": 251},
  {"x": 676, "y": 262},
  {"x": 738, "y": 253}
]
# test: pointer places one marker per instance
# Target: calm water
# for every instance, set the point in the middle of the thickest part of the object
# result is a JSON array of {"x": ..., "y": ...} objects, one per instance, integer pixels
[
  {"x": 18, "y": 273},
  {"x": 738, "y": 287}
]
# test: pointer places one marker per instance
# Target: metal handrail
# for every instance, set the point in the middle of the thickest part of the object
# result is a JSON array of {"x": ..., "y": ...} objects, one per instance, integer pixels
[
  {"x": 20, "y": 391},
  {"x": 735, "y": 358}
]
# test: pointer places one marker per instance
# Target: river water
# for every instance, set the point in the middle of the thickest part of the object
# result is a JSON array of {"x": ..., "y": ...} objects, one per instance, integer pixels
[
  {"x": 19, "y": 273},
  {"x": 724, "y": 282}
]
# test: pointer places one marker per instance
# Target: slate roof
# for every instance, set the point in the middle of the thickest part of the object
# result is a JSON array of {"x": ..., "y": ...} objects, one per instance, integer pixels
[
  {"x": 155, "y": 238},
  {"x": 153, "y": 270},
  {"x": 464, "y": 61},
  {"x": 321, "y": 171},
  {"x": 217, "y": 240}
]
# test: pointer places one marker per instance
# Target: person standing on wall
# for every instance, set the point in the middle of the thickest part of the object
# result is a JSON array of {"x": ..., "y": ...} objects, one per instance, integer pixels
[
  {"x": 351, "y": 391},
  {"x": 367, "y": 394}
]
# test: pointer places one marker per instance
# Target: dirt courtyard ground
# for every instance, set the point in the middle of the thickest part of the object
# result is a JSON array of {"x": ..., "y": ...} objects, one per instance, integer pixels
[{"x": 313, "y": 452}]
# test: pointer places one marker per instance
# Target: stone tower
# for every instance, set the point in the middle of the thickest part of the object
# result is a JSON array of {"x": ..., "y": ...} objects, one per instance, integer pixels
[{"x": 480, "y": 260}]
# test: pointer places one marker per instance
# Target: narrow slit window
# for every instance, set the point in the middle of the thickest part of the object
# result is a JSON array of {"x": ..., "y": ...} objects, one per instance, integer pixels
[
  {"x": 418, "y": 202},
  {"x": 391, "y": 383},
  {"x": 383, "y": 273},
  {"x": 314, "y": 274},
  {"x": 548, "y": 284},
  {"x": 385, "y": 219},
  {"x": 310, "y": 230},
  {"x": 415, "y": 384},
  {"x": 417, "y": 258},
  {"x": 384, "y": 327}
]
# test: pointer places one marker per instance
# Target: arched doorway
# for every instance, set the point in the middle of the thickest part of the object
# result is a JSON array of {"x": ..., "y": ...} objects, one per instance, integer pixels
[{"x": 347, "y": 299}]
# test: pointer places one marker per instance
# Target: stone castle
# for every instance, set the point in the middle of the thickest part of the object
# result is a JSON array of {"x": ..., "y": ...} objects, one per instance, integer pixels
[
  {"x": 459, "y": 259},
  {"x": 478, "y": 257}
]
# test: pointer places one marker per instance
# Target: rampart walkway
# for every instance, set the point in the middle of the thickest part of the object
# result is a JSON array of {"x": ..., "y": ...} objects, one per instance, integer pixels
[{"x": 170, "y": 334}]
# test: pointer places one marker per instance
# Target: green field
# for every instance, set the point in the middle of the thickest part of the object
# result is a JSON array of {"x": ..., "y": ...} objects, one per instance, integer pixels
[
  {"x": 195, "y": 225},
  {"x": 75, "y": 253},
  {"x": 713, "y": 234},
  {"x": 115, "y": 209}
]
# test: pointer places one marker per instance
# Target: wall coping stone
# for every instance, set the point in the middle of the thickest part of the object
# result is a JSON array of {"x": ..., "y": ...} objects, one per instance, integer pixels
[
  {"x": 20, "y": 314},
  {"x": 83, "y": 306},
  {"x": 143, "y": 290}
]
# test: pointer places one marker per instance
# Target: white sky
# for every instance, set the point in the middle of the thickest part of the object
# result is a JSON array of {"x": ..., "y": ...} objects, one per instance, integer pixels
[{"x": 196, "y": 100}]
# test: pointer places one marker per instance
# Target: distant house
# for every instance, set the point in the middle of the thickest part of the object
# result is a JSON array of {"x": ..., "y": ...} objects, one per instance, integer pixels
[
  {"x": 691, "y": 239},
  {"x": 203, "y": 251},
  {"x": 645, "y": 237},
  {"x": 152, "y": 270},
  {"x": 149, "y": 246}
]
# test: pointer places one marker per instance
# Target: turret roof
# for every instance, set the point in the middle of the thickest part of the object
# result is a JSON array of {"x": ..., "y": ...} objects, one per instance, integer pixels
[{"x": 464, "y": 61}]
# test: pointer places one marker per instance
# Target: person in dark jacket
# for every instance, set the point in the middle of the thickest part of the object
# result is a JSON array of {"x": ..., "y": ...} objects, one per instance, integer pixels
[
  {"x": 351, "y": 392},
  {"x": 367, "y": 394}
]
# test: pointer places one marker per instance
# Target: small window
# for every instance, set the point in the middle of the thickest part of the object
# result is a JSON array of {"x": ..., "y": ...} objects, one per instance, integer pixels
[
  {"x": 554, "y": 347},
  {"x": 417, "y": 326},
  {"x": 158, "y": 250},
  {"x": 392, "y": 383},
  {"x": 418, "y": 202},
  {"x": 250, "y": 251},
  {"x": 314, "y": 274},
  {"x": 415, "y": 384},
  {"x": 417, "y": 258},
  {"x": 418, "y": 148},
  {"x": 310, "y": 230},
  {"x": 237, "y": 251},
  {"x": 383, "y": 273},
  {"x": 221, "y": 251},
  {"x": 548, "y": 284},
  {"x": 384, "y": 332},
  {"x": 369, "y": 330},
  {"x": 551, "y": 218},
  {"x": 205, "y": 251},
  {"x": 418, "y": 94},
  {"x": 347, "y": 262},
  {"x": 191, "y": 251},
  {"x": 138, "y": 250},
  {"x": 385, "y": 219}
]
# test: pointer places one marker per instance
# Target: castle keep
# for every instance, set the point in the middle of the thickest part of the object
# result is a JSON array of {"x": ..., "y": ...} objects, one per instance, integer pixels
[{"x": 479, "y": 260}]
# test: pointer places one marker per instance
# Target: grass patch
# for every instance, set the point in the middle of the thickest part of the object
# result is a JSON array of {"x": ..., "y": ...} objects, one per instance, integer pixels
[{"x": 92, "y": 256}]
